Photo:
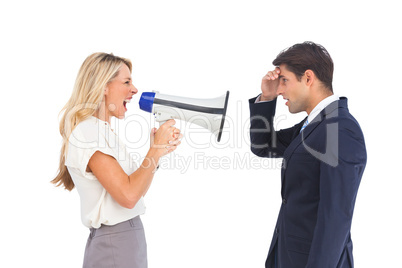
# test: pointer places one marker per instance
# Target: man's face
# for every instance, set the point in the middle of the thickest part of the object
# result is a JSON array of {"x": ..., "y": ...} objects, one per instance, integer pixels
[{"x": 293, "y": 90}]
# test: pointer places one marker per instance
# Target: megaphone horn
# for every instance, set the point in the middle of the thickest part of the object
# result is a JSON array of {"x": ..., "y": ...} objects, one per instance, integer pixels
[{"x": 207, "y": 113}]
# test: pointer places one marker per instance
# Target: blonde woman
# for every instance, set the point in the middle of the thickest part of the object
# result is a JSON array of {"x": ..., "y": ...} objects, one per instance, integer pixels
[{"x": 95, "y": 161}]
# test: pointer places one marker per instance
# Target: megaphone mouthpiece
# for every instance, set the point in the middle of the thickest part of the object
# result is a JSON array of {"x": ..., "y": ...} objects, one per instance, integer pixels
[{"x": 146, "y": 101}]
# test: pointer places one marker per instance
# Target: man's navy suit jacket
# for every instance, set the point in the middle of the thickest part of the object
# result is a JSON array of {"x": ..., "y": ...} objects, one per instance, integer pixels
[{"x": 321, "y": 172}]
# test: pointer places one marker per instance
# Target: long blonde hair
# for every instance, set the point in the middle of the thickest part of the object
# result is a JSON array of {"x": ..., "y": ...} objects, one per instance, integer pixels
[{"x": 95, "y": 73}]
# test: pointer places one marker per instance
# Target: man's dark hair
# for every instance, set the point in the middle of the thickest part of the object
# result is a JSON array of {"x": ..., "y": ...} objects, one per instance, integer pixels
[{"x": 308, "y": 56}]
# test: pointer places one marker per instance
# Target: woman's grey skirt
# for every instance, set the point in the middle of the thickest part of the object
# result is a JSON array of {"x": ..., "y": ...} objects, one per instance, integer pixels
[{"x": 117, "y": 246}]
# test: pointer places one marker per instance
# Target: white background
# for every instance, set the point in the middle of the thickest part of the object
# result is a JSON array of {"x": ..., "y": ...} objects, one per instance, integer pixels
[{"x": 204, "y": 216}]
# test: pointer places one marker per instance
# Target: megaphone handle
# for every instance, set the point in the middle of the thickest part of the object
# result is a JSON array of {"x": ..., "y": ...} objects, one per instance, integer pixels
[{"x": 161, "y": 123}]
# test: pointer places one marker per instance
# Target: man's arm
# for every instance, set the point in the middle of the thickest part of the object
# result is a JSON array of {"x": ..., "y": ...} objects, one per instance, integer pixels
[
  {"x": 265, "y": 141},
  {"x": 338, "y": 188}
]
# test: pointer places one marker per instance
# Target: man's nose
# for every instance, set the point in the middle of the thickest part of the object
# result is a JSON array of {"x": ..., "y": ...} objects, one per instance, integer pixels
[{"x": 279, "y": 90}]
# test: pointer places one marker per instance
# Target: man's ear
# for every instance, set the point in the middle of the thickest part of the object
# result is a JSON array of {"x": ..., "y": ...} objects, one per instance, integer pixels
[{"x": 310, "y": 77}]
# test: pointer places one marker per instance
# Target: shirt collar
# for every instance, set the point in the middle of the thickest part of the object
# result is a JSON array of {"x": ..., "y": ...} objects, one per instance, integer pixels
[
  {"x": 321, "y": 106},
  {"x": 101, "y": 122}
]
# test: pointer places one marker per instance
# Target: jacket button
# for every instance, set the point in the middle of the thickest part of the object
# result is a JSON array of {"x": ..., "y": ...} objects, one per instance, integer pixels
[
  {"x": 284, "y": 201},
  {"x": 276, "y": 230}
]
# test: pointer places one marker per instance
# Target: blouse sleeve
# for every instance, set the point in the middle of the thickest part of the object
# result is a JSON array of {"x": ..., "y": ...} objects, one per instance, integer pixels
[{"x": 84, "y": 141}]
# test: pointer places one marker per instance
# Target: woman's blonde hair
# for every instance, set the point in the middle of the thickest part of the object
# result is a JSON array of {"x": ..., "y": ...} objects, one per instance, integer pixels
[{"x": 95, "y": 73}]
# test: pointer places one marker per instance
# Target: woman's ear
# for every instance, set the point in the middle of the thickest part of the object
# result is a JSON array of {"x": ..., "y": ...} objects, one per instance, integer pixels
[{"x": 106, "y": 91}]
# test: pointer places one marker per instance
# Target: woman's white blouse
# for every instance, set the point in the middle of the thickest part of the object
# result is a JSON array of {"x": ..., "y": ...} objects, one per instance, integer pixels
[{"x": 97, "y": 205}]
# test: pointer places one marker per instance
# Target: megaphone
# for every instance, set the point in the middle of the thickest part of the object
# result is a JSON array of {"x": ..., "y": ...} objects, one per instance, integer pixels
[{"x": 207, "y": 113}]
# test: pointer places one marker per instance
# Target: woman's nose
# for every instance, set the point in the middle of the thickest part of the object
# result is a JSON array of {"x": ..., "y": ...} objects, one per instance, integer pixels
[{"x": 134, "y": 90}]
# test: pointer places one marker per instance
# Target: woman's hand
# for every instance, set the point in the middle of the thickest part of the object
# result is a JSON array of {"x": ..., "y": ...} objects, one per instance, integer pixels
[{"x": 166, "y": 138}]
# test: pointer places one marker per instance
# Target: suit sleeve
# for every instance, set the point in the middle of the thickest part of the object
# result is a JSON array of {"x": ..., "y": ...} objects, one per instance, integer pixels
[
  {"x": 341, "y": 170},
  {"x": 264, "y": 140}
]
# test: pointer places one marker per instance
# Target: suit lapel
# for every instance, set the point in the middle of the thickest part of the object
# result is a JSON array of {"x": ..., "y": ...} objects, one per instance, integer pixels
[
  {"x": 300, "y": 137},
  {"x": 320, "y": 118}
]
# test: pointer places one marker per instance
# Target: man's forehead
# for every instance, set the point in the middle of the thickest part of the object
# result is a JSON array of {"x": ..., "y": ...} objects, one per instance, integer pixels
[
  {"x": 285, "y": 72},
  {"x": 284, "y": 68}
]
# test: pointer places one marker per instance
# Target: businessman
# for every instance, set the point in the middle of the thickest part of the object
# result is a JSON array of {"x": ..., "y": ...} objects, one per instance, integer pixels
[{"x": 324, "y": 157}]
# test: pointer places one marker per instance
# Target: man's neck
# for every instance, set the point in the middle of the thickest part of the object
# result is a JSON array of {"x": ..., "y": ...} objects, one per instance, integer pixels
[{"x": 317, "y": 98}]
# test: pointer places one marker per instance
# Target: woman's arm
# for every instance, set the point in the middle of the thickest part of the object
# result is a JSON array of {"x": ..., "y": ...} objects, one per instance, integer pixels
[{"x": 128, "y": 189}]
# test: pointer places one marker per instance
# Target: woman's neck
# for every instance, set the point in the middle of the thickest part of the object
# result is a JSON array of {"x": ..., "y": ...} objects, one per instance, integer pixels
[{"x": 102, "y": 113}]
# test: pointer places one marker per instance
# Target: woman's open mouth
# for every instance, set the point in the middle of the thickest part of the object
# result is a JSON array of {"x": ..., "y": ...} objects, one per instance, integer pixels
[{"x": 125, "y": 103}]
